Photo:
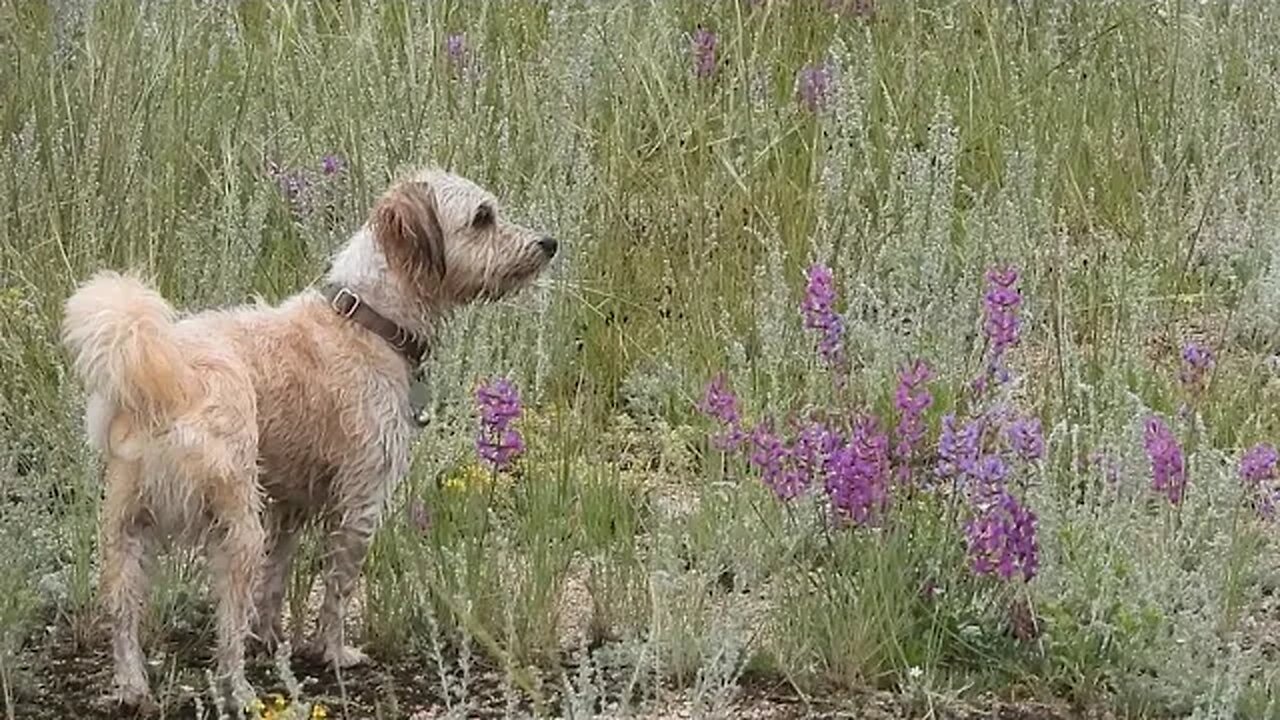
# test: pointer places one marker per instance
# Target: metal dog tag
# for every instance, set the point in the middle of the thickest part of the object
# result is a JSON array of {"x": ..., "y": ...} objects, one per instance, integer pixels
[{"x": 419, "y": 396}]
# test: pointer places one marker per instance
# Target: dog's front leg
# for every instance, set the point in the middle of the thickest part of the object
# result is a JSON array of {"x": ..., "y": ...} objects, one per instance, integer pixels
[
  {"x": 350, "y": 534},
  {"x": 285, "y": 523},
  {"x": 124, "y": 579}
]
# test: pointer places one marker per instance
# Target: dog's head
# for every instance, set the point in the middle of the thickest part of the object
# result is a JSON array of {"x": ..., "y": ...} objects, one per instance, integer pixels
[{"x": 446, "y": 240}]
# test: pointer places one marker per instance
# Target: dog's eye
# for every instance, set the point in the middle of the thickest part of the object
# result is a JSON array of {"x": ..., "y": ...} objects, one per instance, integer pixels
[{"x": 483, "y": 218}]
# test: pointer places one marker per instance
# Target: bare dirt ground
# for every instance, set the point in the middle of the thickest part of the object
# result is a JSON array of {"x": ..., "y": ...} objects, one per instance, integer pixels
[
  {"x": 63, "y": 680},
  {"x": 66, "y": 677}
]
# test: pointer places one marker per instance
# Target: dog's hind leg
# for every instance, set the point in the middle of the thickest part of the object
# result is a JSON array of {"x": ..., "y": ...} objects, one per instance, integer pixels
[
  {"x": 236, "y": 555},
  {"x": 125, "y": 540},
  {"x": 233, "y": 500}
]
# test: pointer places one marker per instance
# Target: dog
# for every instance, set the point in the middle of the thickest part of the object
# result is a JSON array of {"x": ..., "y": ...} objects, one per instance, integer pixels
[{"x": 233, "y": 429}]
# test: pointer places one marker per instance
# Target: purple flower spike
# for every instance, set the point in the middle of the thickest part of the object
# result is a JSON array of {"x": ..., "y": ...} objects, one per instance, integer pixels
[
  {"x": 1106, "y": 463},
  {"x": 720, "y": 404},
  {"x": 814, "y": 86},
  {"x": 790, "y": 469},
  {"x": 1258, "y": 471},
  {"x": 911, "y": 398},
  {"x": 1001, "y": 539},
  {"x": 957, "y": 448},
  {"x": 1197, "y": 361},
  {"x": 705, "y": 43},
  {"x": 857, "y": 484},
  {"x": 819, "y": 313},
  {"x": 1168, "y": 474},
  {"x": 769, "y": 455},
  {"x": 332, "y": 164},
  {"x": 1026, "y": 438},
  {"x": 1000, "y": 322},
  {"x": 498, "y": 443},
  {"x": 988, "y": 477},
  {"x": 295, "y": 187},
  {"x": 813, "y": 448},
  {"x": 455, "y": 49},
  {"x": 1259, "y": 463}
]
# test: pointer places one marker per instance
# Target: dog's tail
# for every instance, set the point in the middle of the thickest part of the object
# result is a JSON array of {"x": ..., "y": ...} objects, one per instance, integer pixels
[{"x": 121, "y": 337}]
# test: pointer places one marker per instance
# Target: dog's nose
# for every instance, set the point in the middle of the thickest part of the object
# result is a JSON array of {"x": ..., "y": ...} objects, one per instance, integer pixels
[{"x": 549, "y": 246}]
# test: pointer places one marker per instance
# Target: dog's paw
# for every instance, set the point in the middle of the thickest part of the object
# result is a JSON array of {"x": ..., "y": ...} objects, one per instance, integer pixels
[
  {"x": 267, "y": 642},
  {"x": 130, "y": 698},
  {"x": 242, "y": 693},
  {"x": 344, "y": 656},
  {"x": 333, "y": 653}
]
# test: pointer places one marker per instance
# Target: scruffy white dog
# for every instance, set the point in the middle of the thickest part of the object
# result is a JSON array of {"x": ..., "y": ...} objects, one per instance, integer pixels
[{"x": 232, "y": 428}]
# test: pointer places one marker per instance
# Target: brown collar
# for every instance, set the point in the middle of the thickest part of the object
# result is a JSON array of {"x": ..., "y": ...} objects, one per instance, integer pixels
[{"x": 348, "y": 304}]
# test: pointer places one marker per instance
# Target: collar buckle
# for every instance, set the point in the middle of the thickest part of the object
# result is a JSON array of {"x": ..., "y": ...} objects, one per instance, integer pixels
[{"x": 340, "y": 298}]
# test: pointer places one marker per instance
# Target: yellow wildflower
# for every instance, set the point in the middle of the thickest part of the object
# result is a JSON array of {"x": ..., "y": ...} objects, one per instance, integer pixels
[
  {"x": 319, "y": 712},
  {"x": 475, "y": 476},
  {"x": 467, "y": 477}
]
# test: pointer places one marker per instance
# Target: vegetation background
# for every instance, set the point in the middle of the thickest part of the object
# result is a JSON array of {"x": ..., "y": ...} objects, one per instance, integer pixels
[{"x": 1122, "y": 155}]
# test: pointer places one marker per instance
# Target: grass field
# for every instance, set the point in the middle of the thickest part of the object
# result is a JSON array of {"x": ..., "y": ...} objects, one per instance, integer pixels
[{"x": 697, "y": 161}]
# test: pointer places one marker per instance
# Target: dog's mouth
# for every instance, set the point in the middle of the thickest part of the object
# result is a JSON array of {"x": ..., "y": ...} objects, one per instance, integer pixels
[
  {"x": 520, "y": 274},
  {"x": 500, "y": 280}
]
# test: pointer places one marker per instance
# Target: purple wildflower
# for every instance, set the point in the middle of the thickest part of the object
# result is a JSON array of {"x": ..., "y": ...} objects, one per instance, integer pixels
[
  {"x": 857, "y": 483},
  {"x": 767, "y": 450},
  {"x": 705, "y": 43},
  {"x": 789, "y": 469},
  {"x": 819, "y": 314},
  {"x": 814, "y": 85},
  {"x": 455, "y": 49},
  {"x": 1001, "y": 305},
  {"x": 813, "y": 449},
  {"x": 499, "y": 405},
  {"x": 1000, "y": 323},
  {"x": 1168, "y": 474},
  {"x": 720, "y": 404},
  {"x": 911, "y": 398},
  {"x": 769, "y": 455},
  {"x": 1001, "y": 538},
  {"x": 958, "y": 448},
  {"x": 295, "y": 187},
  {"x": 1106, "y": 463},
  {"x": 1258, "y": 471},
  {"x": 332, "y": 164},
  {"x": 987, "y": 478},
  {"x": 807, "y": 460},
  {"x": 1026, "y": 438},
  {"x": 1259, "y": 463},
  {"x": 1197, "y": 361}
]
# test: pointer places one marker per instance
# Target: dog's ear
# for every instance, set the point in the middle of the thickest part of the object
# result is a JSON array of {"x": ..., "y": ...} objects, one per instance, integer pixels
[{"x": 407, "y": 226}]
